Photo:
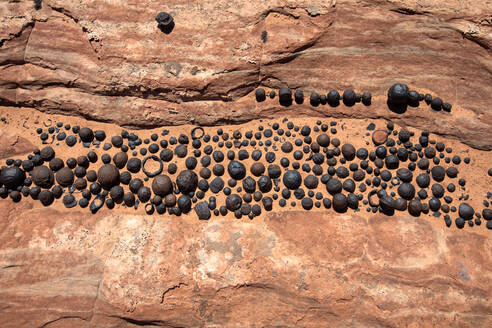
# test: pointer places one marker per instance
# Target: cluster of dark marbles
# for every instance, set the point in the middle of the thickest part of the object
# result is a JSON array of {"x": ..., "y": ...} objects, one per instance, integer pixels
[
  {"x": 399, "y": 98},
  {"x": 332, "y": 98},
  {"x": 350, "y": 176}
]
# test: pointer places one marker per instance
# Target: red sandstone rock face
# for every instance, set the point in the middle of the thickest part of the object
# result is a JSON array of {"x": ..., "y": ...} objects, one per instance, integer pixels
[
  {"x": 343, "y": 270},
  {"x": 109, "y": 61},
  {"x": 12, "y": 144}
]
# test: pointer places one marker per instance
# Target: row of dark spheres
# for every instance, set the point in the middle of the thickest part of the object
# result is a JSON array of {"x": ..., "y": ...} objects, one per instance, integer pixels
[
  {"x": 49, "y": 175},
  {"x": 399, "y": 96},
  {"x": 349, "y": 97}
]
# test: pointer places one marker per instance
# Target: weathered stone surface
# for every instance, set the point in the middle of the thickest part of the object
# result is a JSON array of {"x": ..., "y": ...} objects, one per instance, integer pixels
[
  {"x": 13, "y": 144},
  {"x": 66, "y": 270},
  {"x": 109, "y": 61}
]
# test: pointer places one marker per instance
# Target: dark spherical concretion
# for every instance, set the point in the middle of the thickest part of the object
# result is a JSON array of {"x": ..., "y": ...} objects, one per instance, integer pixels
[
  {"x": 129, "y": 199},
  {"x": 202, "y": 211},
  {"x": 285, "y": 96},
  {"x": 405, "y": 175},
  {"x": 334, "y": 186},
  {"x": 314, "y": 99},
  {"x": 42, "y": 176},
  {"x": 264, "y": 184},
  {"x": 487, "y": 214},
  {"x": 260, "y": 94},
  {"x": 274, "y": 171},
  {"x": 184, "y": 203},
  {"x": 162, "y": 185},
  {"x": 466, "y": 211},
  {"x": 366, "y": 98},
  {"x": 299, "y": 97},
  {"x": 434, "y": 204},
  {"x": 438, "y": 173},
  {"x": 86, "y": 135},
  {"x": 348, "y": 152},
  {"x": 216, "y": 185},
  {"x": 398, "y": 94},
  {"x": 452, "y": 172},
  {"x": 69, "y": 201},
  {"x": 12, "y": 177},
  {"x": 55, "y": 164},
  {"x": 423, "y": 180},
  {"x": 436, "y": 103},
  {"x": 415, "y": 207},
  {"x": 406, "y": 191},
  {"x": 46, "y": 197},
  {"x": 352, "y": 201},
  {"x": 249, "y": 185},
  {"x": 187, "y": 181},
  {"x": 65, "y": 177},
  {"x": 460, "y": 223},
  {"x": 233, "y": 202},
  {"x": 323, "y": 140},
  {"x": 267, "y": 203},
  {"x": 108, "y": 176},
  {"x": 166, "y": 155},
  {"x": 120, "y": 159},
  {"x": 117, "y": 141},
  {"x": 257, "y": 169},
  {"x": 134, "y": 165},
  {"x": 340, "y": 203},
  {"x": 116, "y": 193},
  {"x": 292, "y": 179},
  {"x": 286, "y": 147},
  {"x": 333, "y": 98},
  {"x": 236, "y": 170},
  {"x": 307, "y": 203},
  {"x": 349, "y": 97},
  {"x": 311, "y": 182},
  {"x": 165, "y": 21},
  {"x": 47, "y": 153}
]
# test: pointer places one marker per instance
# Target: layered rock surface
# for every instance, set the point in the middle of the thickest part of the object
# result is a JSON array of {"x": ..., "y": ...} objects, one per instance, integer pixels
[
  {"x": 110, "y": 62},
  {"x": 107, "y": 61}
]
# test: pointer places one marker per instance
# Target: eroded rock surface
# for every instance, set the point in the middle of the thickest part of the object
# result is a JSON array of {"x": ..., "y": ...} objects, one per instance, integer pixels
[
  {"x": 108, "y": 270},
  {"x": 110, "y": 62}
]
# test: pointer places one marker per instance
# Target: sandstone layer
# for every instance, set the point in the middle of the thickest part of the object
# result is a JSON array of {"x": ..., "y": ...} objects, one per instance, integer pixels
[
  {"x": 104, "y": 64},
  {"x": 109, "y": 62}
]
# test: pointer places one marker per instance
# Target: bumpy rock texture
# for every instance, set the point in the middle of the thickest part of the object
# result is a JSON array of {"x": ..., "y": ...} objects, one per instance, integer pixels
[{"x": 110, "y": 62}]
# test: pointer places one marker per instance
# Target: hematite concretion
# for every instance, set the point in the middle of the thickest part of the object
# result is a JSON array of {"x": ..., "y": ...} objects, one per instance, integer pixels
[
  {"x": 260, "y": 94},
  {"x": 406, "y": 191},
  {"x": 162, "y": 185},
  {"x": 86, "y": 135},
  {"x": 64, "y": 177},
  {"x": 292, "y": 179},
  {"x": 108, "y": 176},
  {"x": 46, "y": 197},
  {"x": 333, "y": 98},
  {"x": 120, "y": 159},
  {"x": 184, "y": 203},
  {"x": 298, "y": 97},
  {"x": 285, "y": 95},
  {"x": 134, "y": 165},
  {"x": 438, "y": 173},
  {"x": 47, "y": 153},
  {"x": 164, "y": 20},
  {"x": 349, "y": 97},
  {"x": 323, "y": 140},
  {"x": 233, "y": 202},
  {"x": 487, "y": 214},
  {"x": 202, "y": 211},
  {"x": 466, "y": 211},
  {"x": 42, "y": 176},
  {"x": 340, "y": 203},
  {"x": 11, "y": 177},
  {"x": 236, "y": 170},
  {"x": 348, "y": 152},
  {"x": 398, "y": 94},
  {"x": 187, "y": 181},
  {"x": 366, "y": 98},
  {"x": 415, "y": 207}
]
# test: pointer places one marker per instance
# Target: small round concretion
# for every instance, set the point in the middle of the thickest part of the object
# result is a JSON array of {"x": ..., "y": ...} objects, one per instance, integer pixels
[
  {"x": 108, "y": 176},
  {"x": 164, "y": 19},
  {"x": 292, "y": 179},
  {"x": 285, "y": 95},
  {"x": 348, "y": 152},
  {"x": 120, "y": 159},
  {"x": 415, "y": 207},
  {"x": 436, "y": 103},
  {"x": 257, "y": 169},
  {"x": 366, "y": 98},
  {"x": 339, "y": 202},
  {"x": 406, "y": 191},
  {"x": 334, "y": 186},
  {"x": 466, "y": 211},
  {"x": 86, "y": 135},
  {"x": 46, "y": 197},
  {"x": 42, "y": 176},
  {"x": 398, "y": 94},
  {"x": 299, "y": 97},
  {"x": 134, "y": 165},
  {"x": 156, "y": 172},
  {"x": 69, "y": 201},
  {"x": 323, "y": 140},
  {"x": 65, "y": 177},
  {"x": 202, "y": 211},
  {"x": 260, "y": 94},
  {"x": 187, "y": 181},
  {"x": 349, "y": 97},
  {"x": 11, "y": 177},
  {"x": 236, "y": 170},
  {"x": 162, "y": 185},
  {"x": 438, "y": 173},
  {"x": 379, "y": 137},
  {"x": 47, "y": 153},
  {"x": 487, "y": 214},
  {"x": 233, "y": 202}
]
